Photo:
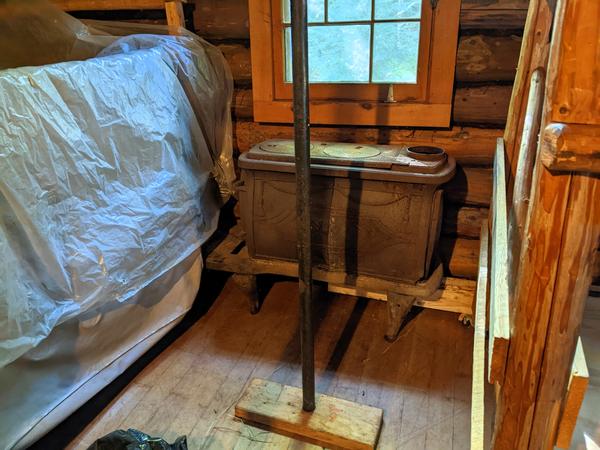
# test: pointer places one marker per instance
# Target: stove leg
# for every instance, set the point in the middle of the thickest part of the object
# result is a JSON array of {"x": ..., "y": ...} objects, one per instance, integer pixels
[
  {"x": 398, "y": 306},
  {"x": 247, "y": 284}
]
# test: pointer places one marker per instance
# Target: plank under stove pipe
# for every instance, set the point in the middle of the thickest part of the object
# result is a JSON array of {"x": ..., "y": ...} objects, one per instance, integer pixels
[{"x": 325, "y": 421}]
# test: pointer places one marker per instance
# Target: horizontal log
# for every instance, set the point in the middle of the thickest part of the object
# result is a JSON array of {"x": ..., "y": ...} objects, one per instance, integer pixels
[
  {"x": 463, "y": 221},
  {"x": 470, "y": 186},
  {"x": 460, "y": 257},
  {"x": 238, "y": 58},
  {"x": 480, "y": 59},
  {"x": 493, "y": 19},
  {"x": 482, "y": 105},
  {"x": 228, "y": 19},
  {"x": 494, "y": 4},
  {"x": 469, "y": 146},
  {"x": 222, "y": 19},
  {"x": 113, "y": 5},
  {"x": 472, "y": 105}
]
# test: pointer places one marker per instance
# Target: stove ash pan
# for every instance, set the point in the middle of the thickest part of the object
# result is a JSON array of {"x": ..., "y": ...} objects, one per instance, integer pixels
[{"x": 376, "y": 210}]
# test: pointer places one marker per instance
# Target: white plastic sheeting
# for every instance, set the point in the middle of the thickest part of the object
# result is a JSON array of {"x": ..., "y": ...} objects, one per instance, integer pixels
[{"x": 106, "y": 176}]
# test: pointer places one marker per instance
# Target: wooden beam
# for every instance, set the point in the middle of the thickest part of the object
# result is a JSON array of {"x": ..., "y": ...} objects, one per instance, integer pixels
[
  {"x": 571, "y": 147},
  {"x": 480, "y": 104},
  {"x": 499, "y": 335},
  {"x": 454, "y": 295},
  {"x": 469, "y": 146},
  {"x": 521, "y": 190},
  {"x": 107, "y": 5},
  {"x": 175, "y": 16},
  {"x": 534, "y": 54},
  {"x": 479, "y": 359},
  {"x": 578, "y": 383},
  {"x": 335, "y": 423},
  {"x": 581, "y": 234},
  {"x": 563, "y": 231}
]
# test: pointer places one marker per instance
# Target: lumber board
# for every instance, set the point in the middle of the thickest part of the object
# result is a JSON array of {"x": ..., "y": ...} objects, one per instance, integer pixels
[
  {"x": 499, "y": 334},
  {"x": 571, "y": 147},
  {"x": 578, "y": 383},
  {"x": 576, "y": 92},
  {"x": 479, "y": 359},
  {"x": 472, "y": 105},
  {"x": 101, "y": 5},
  {"x": 231, "y": 255},
  {"x": 454, "y": 295},
  {"x": 468, "y": 145},
  {"x": 534, "y": 55},
  {"x": 175, "y": 16},
  {"x": 563, "y": 230},
  {"x": 335, "y": 423}
]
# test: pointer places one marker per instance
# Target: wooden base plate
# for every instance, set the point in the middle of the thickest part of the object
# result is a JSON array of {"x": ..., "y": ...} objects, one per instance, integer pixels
[{"x": 335, "y": 423}]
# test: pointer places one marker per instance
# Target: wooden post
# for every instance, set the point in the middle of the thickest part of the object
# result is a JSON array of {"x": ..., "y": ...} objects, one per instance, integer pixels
[
  {"x": 534, "y": 54},
  {"x": 561, "y": 236},
  {"x": 175, "y": 16}
]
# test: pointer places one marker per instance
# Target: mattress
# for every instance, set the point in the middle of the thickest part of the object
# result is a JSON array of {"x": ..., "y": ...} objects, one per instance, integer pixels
[
  {"x": 83, "y": 355},
  {"x": 114, "y": 161}
]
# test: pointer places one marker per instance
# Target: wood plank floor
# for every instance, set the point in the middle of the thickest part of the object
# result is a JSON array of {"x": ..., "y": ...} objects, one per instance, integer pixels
[
  {"x": 422, "y": 381},
  {"x": 587, "y": 430}
]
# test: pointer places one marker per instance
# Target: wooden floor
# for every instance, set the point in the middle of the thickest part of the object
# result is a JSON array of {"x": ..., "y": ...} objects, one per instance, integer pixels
[
  {"x": 422, "y": 381},
  {"x": 587, "y": 430}
]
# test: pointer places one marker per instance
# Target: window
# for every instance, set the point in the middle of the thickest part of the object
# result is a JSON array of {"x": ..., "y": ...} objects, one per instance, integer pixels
[{"x": 371, "y": 62}]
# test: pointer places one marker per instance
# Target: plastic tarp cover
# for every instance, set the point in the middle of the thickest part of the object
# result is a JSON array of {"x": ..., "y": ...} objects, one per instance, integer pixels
[{"x": 107, "y": 167}]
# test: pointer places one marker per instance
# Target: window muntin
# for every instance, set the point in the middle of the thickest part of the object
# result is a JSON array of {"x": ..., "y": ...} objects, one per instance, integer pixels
[{"x": 359, "y": 41}]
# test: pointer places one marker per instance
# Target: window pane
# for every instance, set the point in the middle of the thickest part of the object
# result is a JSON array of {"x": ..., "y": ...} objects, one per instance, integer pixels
[
  {"x": 395, "y": 52},
  {"x": 336, "y": 53},
  {"x": 348, "y": 10},
  {"x": 316, "y": 11},
  {"x": 397, "y": 9}
]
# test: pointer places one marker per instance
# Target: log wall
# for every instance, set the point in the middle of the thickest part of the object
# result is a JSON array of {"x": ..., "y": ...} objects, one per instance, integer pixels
[{"x": 488, "y": 50}]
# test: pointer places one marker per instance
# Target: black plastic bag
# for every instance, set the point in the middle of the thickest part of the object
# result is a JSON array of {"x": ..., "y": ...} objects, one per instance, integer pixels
[{"x": 136, "y": 440}]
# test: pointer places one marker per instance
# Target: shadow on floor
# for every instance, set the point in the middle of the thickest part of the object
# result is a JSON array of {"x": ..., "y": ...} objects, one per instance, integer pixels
[{"x": 61, "y": 435}]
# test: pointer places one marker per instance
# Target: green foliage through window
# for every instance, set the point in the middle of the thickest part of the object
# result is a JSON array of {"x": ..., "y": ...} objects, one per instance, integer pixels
[{"x": 359, "y": 41}]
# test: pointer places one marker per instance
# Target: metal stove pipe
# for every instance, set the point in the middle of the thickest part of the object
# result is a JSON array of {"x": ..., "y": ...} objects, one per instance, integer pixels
[{"x": 302, "y": 158}]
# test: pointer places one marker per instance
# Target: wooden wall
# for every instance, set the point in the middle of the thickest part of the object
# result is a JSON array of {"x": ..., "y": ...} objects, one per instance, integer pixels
[{"x": 488, "y": 51}]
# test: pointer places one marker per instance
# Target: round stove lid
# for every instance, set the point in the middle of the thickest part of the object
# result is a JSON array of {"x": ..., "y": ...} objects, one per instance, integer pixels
[
  {"x": 280, "y": 146},
  {"x": 350, "y": 151}
]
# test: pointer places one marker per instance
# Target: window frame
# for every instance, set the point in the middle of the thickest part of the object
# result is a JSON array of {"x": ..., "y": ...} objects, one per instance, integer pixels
[{"x": 428, "y": 103}]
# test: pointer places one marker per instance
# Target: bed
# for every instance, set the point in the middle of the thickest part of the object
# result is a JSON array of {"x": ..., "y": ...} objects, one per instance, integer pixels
[{"x": 115, "y": 157}]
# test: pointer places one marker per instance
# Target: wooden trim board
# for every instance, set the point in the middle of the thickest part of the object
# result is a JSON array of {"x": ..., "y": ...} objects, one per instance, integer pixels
[
  {"x": 335, "y": 423},
  {"x": 98, "y": 5},
  {"x": 478, "y": 380},
  {"x": 454, "y": 295},
  {"x": 499, "y": 308},
  {"x": 578, "y": 383}
]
